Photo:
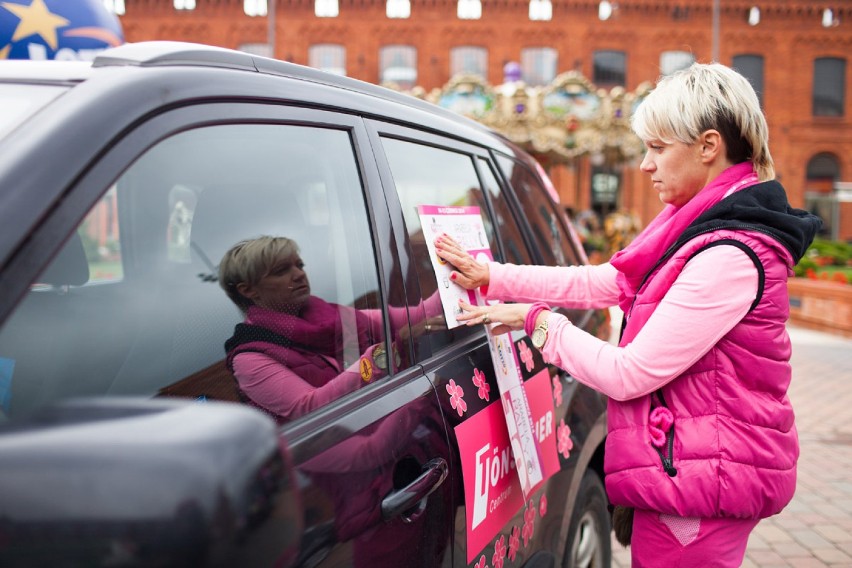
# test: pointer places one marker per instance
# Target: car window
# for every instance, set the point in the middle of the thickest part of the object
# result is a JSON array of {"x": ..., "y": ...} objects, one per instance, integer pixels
[
  {"x": 550, "y": 236},
  {"x": 429, "y": 175},
  {"x": 514, "y": 249},
  {"x": 132, "y": 304}
]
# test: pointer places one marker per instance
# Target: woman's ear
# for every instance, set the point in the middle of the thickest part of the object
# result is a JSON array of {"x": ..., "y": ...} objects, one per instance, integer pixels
[
  {"x": 246, "y": 290},
  {"x": 712, "y": 146}
]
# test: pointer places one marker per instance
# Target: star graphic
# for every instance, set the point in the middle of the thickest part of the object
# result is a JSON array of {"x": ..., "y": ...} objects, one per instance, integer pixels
[{"x": 36, "y": 19}]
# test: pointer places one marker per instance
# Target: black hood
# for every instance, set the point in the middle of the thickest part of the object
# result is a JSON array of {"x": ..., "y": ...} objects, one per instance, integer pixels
[{"x": 762, "y": 207}]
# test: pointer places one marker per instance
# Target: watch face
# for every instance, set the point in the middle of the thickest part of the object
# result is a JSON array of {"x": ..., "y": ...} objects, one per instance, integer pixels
[
  {"x": 380, "y": 358},
  {"x": 538, "y": 337}
]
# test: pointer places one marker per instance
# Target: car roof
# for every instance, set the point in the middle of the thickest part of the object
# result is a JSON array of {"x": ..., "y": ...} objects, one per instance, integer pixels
[{"x": 163, "y": 54}]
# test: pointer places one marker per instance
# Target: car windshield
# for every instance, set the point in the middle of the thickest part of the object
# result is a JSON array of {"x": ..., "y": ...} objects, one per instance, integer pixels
[{"x": 19, "y": 102}]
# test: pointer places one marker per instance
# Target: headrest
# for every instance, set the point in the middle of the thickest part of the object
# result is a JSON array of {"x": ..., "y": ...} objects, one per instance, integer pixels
[{"x": 69, "y": 267}]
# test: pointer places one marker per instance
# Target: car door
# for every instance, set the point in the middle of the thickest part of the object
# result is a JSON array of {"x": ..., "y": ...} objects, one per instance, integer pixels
[
  {"x": 132, "y": 306},
  {"x": 496, "y": 524}
]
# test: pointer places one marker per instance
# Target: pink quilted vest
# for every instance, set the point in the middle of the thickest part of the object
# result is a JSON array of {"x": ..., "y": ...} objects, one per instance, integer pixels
[{"x": 733, "y": 447}]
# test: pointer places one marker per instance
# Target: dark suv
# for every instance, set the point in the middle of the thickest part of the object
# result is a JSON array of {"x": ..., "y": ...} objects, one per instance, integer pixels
[{"x": 125, "y": 440}]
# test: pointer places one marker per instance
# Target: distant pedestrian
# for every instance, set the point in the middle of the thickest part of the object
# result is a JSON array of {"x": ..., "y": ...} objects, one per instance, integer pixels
[{"x": 701, "y": 442}]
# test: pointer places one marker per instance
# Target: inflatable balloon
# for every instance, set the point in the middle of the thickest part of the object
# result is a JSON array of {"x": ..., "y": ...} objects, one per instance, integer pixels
[{"x": 56, "y": 29}]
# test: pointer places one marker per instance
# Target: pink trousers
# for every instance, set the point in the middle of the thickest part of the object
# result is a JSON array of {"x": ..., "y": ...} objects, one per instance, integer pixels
[{"x": 667, "y": 541}]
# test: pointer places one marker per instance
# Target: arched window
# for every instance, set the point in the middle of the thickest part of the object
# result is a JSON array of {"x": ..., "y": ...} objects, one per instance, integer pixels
[
  {"x": 398, "y": 9},
  {"x": 671, "y": 61},
  {"x": 326, "y": 8},
  {"x": 328, "y": 57},
  {"x": 469, "y": 9},
  {"x": 822, "y": 173},
  {"x": 398, "y": 64},
  {"x": 829, "y": 97},
  {"x": 609, "y": 68},
  {"x": 751, "y": 67},
  {"x": 538, "y": 65},
  {"x": 469, "y": 59}
]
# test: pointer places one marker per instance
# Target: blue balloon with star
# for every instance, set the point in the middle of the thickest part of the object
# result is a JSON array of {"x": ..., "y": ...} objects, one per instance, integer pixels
[{"x": 56, "y": 29}]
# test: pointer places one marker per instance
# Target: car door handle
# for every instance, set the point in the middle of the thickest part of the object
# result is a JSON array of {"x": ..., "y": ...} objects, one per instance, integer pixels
[{"x": 404, "y": 500}]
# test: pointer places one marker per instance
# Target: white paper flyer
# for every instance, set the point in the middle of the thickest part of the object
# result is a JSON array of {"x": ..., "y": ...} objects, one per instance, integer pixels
[{"x": 465, "y": 226}]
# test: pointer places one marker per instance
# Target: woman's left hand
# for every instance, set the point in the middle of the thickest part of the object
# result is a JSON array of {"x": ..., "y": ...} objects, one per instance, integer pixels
[{"x": 508, "y": 317}]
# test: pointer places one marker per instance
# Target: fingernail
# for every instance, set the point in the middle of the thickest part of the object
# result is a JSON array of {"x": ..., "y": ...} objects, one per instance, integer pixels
[{"x": 453, "y": 276}]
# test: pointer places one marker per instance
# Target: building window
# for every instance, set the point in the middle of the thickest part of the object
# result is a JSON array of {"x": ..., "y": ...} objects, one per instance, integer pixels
[
  {"x": 254, "y": 7},
  {"x": 115, "y": 6},
  {"x": 328, "y": 57},
  {"x": 823, "y": 173},
  {"x": 326, "y": 8},
  {"x": 469, "y": 9},
  {"x": 398, "y": 8},
  {"x": 398, "y": 65},
  {"x": 751, "y": 67},
  {"x": 605, "y": 190},
  {"x": 261, "y": 49},
  {"x": 829, "y": 97},
  {"x": 184, "y": 4},
  {"x": 609, "y": 68},
  {"x": 671, "y": 61},
  {"x": 541, "y": 10},
  {"x": 538, "y": 65},
  {"x": 470, "y": 60}
]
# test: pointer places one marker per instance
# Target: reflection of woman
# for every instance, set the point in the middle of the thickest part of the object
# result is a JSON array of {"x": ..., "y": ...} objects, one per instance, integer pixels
[
  {"x": 701, "y": 442},
  {"x": 294, "y": 352}
]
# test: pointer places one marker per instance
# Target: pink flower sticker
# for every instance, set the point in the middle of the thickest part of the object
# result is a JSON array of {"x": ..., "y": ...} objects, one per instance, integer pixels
[
  {"x": 457, "y": 397},
  {"x": 557, "y": 390},
  {"x": 482, "y": 563},
  {"x": 514, "y": 543},
  {"x": 563, "y": 435},
  {"x": 529, "y": 523},
  {"x": 526, "y": 356},
  {"x": 499, "y": 556},
  {"x": 479, "y": 381},
  {"x": 542, "y": 506}
]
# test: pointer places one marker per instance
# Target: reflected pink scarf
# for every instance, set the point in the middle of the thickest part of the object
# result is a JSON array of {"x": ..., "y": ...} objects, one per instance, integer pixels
[{"x": 634, "y": 262}]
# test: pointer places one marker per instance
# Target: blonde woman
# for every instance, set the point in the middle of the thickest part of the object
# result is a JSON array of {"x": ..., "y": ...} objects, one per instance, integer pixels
[{"x": 702, "y": 442}]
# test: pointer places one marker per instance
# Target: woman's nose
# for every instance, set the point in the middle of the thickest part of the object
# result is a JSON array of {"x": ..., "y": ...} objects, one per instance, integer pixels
[{"x": 647, "y": 164}]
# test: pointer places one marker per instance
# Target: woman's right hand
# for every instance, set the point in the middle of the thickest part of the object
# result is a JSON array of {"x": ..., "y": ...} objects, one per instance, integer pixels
[{"x": 468, "y": 273}]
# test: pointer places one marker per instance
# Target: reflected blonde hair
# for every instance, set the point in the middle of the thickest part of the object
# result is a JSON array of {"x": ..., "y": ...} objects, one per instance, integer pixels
[
  {"x": 251, "y": 260},
  {"x": 702, "y": 97}
]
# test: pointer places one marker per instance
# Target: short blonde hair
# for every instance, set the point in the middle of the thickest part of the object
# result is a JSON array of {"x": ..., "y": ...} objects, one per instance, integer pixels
[
  {"x": 701, "y": 97},
  {"x": 251, "y": 260}
]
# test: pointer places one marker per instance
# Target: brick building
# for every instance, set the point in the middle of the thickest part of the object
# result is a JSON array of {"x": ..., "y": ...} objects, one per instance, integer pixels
[{"x": 796, "y": 52}]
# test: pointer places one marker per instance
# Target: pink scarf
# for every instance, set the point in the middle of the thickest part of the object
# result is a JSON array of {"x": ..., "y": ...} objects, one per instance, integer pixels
[
  {"x": 318, "y": 327},
  {"x": 639, "y": 257}
]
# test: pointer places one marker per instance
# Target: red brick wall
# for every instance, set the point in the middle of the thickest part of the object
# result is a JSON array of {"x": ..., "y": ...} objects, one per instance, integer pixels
[{"x": 789, "y": 36}]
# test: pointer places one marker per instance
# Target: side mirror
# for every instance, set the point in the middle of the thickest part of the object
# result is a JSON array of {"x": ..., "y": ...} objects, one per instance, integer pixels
[{"x": 143, "y": 482}]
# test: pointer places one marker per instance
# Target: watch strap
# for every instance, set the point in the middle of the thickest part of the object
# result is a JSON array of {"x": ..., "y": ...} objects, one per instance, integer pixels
[{"x": 532, "y": 316}]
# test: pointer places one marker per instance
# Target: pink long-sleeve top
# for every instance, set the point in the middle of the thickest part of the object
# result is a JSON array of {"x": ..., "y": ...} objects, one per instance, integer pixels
[
  {"x": 689, "y": 320},
  {"x": 282, "y": 391}
]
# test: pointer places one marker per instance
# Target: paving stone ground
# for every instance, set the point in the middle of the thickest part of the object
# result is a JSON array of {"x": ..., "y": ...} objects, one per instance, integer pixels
[{"x": 815, "y": 530}]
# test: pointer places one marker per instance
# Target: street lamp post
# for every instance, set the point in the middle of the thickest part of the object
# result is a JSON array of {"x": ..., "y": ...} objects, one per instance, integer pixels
[
  {"x": 270, "y": 34},
  {"x": 715, "y": 31}
]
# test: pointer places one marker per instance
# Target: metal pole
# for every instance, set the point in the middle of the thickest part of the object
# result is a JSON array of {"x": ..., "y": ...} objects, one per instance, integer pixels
[
  {"x": 270, "y": 34},
  {"x": 715, "y": 31}
]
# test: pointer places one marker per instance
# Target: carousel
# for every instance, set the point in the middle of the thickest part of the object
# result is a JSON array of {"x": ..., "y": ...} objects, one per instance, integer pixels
[{"x": 569, "y": 125}]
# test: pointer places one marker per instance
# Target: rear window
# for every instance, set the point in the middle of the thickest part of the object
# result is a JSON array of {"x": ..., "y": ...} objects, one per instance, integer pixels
[{"x": 19, "y": 102}]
